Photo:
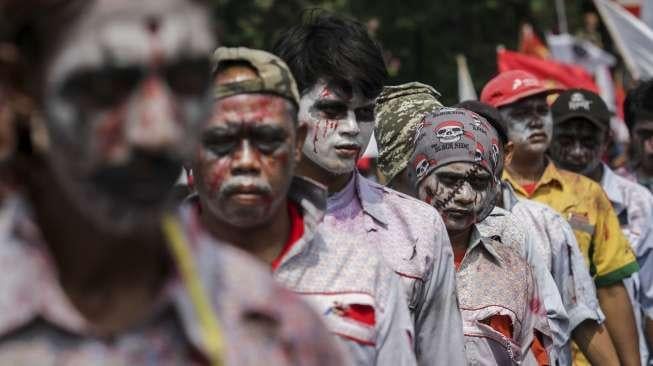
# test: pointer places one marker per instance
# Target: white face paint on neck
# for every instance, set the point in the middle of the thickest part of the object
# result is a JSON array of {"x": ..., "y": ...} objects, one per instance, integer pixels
[{"x": 339, "y": 126}]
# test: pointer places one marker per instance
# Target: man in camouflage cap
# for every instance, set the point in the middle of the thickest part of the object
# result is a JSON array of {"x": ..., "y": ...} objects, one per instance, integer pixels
[
  {"x": 399, "y": 109},
  {"x": 248, "y": 196}
]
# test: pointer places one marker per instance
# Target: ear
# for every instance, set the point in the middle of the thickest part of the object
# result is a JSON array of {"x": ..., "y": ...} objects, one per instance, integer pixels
[
  {"x": 300, "y": 138},
  {"x": 508, "y": 150}
]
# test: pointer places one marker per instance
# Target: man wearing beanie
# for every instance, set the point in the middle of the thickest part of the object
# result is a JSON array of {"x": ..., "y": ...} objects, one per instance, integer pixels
[
  {"x": 580, "y": 137},
  {"x": 340, "y": 72},
  {"x": 451, "y": 168},
  {"x": 521, "y": 99}
]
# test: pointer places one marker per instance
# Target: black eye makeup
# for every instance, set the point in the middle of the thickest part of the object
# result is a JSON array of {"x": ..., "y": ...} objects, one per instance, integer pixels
[
  {"x": 331, "y": 109},
  {"x": 189, "y": 77},
  {"x": 101, "y": 88}
]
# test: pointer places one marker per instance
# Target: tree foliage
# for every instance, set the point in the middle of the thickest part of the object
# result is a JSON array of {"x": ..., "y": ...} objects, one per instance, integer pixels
[{"x": 420, "y": 38}]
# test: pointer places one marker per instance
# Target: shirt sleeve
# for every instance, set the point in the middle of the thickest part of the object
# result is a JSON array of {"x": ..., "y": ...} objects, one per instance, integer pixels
[
  {"x": 438, "y": 326},
  {"x": 572, "y": 277},
  {"x": 645, "y": 260},
  {"x": 611, "y": 254},
  {"x": 554, "y": 324},
  {"x": 394, "y": 342}
]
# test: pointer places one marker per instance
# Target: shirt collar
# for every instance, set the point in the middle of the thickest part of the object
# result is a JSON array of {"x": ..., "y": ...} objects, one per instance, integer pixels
[
  {"x": 610, "y": 184},
  {"x": 476, "y": 240},
  {"x": 371, "y": 197},
  {"x": 368, "y": 193},
  {"x": 551, "y": 175},
  {"x": 508, "y": 196}
]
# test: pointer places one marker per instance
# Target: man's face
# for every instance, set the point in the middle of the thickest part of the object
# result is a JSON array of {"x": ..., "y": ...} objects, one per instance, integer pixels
[
  {"x": 578, "y": 145},
  {"x": 340, "y": 124},
  {"x": 529, "y": 123},
  {"x": 124, "y": 93},
  {"x": 643, "y": 141},
  {"x": 459, "y": 191},
  {"x": 247, "y": 157}
]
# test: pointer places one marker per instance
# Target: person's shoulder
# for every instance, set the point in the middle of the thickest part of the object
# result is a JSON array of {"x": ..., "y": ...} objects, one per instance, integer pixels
[
  {"x": 400, "y": 203},
  {"x": 634, "y": 190}
]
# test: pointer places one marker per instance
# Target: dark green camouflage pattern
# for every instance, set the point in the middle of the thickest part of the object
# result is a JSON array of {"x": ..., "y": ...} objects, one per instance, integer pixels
[
  {"x": 399, "y": 110},
  {"x": 274, "y": 75}
]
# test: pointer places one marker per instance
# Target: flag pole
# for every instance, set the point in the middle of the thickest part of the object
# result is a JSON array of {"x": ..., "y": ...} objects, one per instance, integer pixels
[{"x": 562, "y": 16}]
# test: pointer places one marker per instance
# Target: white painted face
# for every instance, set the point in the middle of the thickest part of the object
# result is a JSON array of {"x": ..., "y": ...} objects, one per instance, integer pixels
[
  {"x": 530, "y": 125},
  {"x": 340, "y": 126},
  {"x": 125, "y": 92},
  {"x": 459, "y": 191}
]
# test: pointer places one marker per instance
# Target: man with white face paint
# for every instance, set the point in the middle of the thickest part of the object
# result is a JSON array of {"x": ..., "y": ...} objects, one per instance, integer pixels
[
  {"x": 89, "y": 280},
  {"x": 521, "y": 99},
  {"x": 496, "y": 290},
  {"x": 340, "y": 71}
]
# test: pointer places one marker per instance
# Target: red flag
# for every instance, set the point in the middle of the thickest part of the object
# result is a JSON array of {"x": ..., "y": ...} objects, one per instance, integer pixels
[
  {"x": 558, "y": 74},
  {"x": 530, "y": 44}
]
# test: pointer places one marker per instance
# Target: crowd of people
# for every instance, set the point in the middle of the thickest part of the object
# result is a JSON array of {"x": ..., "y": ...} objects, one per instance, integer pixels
[{"x": 492, "y": 232}]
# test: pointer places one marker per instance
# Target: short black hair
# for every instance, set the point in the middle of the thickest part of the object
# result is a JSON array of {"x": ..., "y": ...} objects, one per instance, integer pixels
[
  {"x": 639, "y": 103},
  {"x": 491, "y": 114},
  {"x": 337, "y": 49}
]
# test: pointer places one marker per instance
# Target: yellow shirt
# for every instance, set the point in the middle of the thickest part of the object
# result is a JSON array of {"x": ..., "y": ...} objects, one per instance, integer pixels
[{"x": 589, "y": 212}]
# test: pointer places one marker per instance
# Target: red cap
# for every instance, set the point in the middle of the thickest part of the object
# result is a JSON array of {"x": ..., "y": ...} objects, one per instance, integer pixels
[{"x": 511, "y": 86}]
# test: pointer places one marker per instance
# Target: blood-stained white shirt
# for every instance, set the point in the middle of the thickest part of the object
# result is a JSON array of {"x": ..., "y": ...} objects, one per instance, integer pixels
[
  {"x": 343, "y": 276},
  {"x": 494, "y": 280},
  {"x": 412, "y": 239},
  {"x": 261, "y": 322},
  {"x": 556, "y": 244}
]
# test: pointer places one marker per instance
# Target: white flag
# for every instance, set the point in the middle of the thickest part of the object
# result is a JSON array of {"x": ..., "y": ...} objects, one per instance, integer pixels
[
  {"x": 466, "y": 89},
  {"x": 569, "y": 49},
  {"x": 633, "y": 38}
]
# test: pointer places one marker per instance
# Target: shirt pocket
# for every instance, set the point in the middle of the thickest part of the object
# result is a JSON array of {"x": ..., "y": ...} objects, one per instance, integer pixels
[{"x": 352, "y": 315}]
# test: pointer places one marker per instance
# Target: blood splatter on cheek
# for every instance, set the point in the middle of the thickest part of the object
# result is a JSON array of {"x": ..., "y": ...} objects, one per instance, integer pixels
[
  {"x": 109, "y": 133},
  {"x": 217, "y": 172}
]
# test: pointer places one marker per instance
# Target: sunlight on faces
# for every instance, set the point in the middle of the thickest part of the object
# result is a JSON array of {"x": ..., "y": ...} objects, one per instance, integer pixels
[
  {"x": 247, "y": 158},
  {"x": 459, "y": 191},
  {"x": 578, "y": 145},
  {"x": 125, "y": 92},
  {"x": 339, "y": 125},
  {"x": 530, "y": 125}
]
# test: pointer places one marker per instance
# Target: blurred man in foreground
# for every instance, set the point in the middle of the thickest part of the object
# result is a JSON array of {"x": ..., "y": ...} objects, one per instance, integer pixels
[{"x": 122, "y": 87}]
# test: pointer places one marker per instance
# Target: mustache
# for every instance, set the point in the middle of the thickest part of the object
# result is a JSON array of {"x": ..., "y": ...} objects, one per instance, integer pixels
[
  {"x": 146, "y": 179},
  {"x": 248, "y": 184}
]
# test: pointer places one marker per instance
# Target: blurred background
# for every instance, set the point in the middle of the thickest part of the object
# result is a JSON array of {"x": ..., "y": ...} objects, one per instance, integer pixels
[{"x": 422, "y": 38}]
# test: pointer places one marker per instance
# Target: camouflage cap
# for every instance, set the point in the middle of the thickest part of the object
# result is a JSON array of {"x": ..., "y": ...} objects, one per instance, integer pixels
[
  {"x": 274, "y": 76},
  {"x": 399, "y": 109}
]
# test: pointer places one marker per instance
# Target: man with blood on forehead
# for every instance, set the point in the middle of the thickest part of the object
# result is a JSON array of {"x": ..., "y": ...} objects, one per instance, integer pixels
[
  {"x": 247, "y": 195},
  {"x": 340, "y": 71},
  {"x": 98, "y": 268},
  {"x": 496, "y": 290}
]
